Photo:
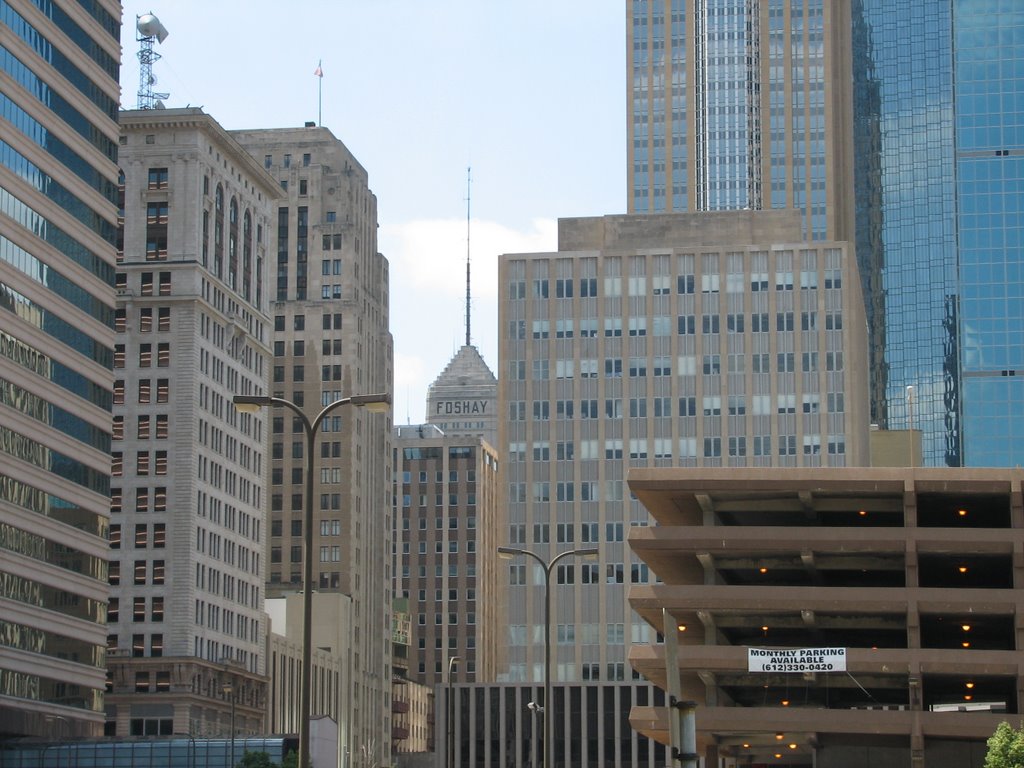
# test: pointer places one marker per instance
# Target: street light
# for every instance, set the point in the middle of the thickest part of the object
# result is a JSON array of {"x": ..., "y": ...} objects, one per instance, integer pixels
[
  {"x": 450, "y": 762},
  {"x": 229, "y": 691},
  {"x": 67, "y": 726},
  {"x": 548, "y": 719},
  {"x": 378, "y": 403}
]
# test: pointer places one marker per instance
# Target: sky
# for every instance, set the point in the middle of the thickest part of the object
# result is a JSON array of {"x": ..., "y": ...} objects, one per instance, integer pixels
[{"x": 529, "y": 94}]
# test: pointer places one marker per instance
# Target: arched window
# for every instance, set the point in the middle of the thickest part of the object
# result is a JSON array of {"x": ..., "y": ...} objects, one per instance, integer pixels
[
  {"x": 233, "y": 245},
  {"x": 247, "y": 256},
  {"x": 206, "y": 238},
  {"x": 218, "y": 233}
]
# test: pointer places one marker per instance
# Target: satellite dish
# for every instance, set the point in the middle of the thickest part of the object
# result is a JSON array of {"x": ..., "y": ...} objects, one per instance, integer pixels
[
  {"x": 158, "y": 104},
  {"x": 150, "y": 26}
]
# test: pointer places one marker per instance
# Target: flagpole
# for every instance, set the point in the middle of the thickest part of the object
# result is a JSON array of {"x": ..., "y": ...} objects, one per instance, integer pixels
[{"x": 320, "y": 95}]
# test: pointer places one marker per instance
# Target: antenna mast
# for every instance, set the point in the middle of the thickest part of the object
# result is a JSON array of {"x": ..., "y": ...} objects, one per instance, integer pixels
[
  {"x": 468, "y": 197},
  {"x": 149, "y": 29}
]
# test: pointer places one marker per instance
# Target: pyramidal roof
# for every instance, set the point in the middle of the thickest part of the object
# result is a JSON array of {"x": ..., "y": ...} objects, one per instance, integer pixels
[{"x": 467, "y": 370}]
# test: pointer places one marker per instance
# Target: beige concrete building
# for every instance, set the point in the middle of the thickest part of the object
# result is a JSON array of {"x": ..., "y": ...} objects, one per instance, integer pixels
[
  {"x": 714, "y": 340},
  {"x": 446, "y": 494},
  {"x": 412, "y": 730},
  {"x": 332, "y": 669},
  {"x": 330, "y": 305},
  {"x": 188, "y": 503},
  {"x": 58, "y": 229},
  {"x": 742, "y": 105},
  {"x": 418, "y": 720},
  {"x": 913, "y": 575}
]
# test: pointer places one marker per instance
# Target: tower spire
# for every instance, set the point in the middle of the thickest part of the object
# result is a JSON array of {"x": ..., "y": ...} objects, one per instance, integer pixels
[{"x": 468, "y": 196}]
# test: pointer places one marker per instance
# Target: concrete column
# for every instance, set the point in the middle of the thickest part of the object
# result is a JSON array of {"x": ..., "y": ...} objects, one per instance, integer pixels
[
  {"x": 1017, "y": 522},
  {"x": 913, "y": 625},
  {"x": 909, "y": 504}
]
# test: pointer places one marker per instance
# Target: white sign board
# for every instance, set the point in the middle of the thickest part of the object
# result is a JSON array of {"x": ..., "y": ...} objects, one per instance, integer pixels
[{"x": 796, "y": 660}]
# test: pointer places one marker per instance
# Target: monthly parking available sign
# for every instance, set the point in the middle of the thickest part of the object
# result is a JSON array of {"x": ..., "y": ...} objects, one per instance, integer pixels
[{"x": 796, "y": 659}]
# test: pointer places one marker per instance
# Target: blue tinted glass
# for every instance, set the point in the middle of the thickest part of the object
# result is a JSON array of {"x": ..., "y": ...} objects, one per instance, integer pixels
[
  {"x": 939, "y": 99},
  {"x": 905, "y": 195},
  {"x": 46, "y": 230},
  {"x": 60, "y": 329},
  {"x": 46, "y": 184},
  {"x": 60, "y": 106},
  {"x": 57, "y": 59}
]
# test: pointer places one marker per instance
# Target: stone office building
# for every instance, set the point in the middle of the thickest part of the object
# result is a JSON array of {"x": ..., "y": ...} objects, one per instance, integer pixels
[
  {"x": 187, "y": 632},
  {"x": 683, "y": 340},
  {"x": 329, "y": 300}
]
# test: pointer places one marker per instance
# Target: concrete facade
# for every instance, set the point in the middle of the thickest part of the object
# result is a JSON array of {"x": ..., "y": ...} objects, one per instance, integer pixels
[
  {"x": 330, "y": 307},
  {"x": 493, "y": 724},
  {"x": 914, "y": 573},
  {"x": 332, "y": 671},
  {"x": 446, "y": 489},
  {"x": 412, "y": 704},
  {"x": 418, "y": 720},
  {"x": 463, "y": 400},
  {"x": 674, "y": 340},
  {"x": 742, "y": 106},
  {"x": 188, "y": 504}
]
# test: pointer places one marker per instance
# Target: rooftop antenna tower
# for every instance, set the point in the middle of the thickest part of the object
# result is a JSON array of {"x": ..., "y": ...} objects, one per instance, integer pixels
[
  {"x": 468, "y": 197},
  {"x": 149, "y": 30}
]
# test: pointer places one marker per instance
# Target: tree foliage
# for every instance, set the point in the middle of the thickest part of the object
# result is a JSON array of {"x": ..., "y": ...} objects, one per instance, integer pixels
[
  {"x": 262, "y": 760},
  {"x": 256, "y": 760},
  {"x": 1005, "y": 748}
]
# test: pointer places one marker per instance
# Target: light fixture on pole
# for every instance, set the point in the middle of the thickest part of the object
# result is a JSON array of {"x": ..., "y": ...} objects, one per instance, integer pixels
[
  {"x": 378, "y": 403},
  {"x": 547, "y": 706},
  {"x": 450, "y": 761}
]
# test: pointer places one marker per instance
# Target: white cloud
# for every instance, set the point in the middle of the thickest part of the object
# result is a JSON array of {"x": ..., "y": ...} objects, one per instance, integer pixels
[{"x": 428, "y": 295}]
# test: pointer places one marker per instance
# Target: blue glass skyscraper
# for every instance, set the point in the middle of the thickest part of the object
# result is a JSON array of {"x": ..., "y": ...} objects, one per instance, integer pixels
[
  {"x": 988, "y": 64},
  {"x": 939, "y": 99}
]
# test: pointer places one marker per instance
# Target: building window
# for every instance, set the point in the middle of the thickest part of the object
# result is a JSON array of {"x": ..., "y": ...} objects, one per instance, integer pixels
[{"x": 158, "y": 178}]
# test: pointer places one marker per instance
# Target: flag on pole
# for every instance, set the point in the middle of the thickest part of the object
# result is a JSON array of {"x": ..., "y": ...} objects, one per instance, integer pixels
[{"x": 319, "y": 72}]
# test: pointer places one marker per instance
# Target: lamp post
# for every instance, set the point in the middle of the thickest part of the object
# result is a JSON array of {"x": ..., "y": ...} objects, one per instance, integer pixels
[
  {"x": 378, "y": 403},
  {"x": 229, "y": 691},
  {"x": 547, "y": 706},
  {"x": 65, "y": 727},
  {"x": 450, "y": 762}
]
